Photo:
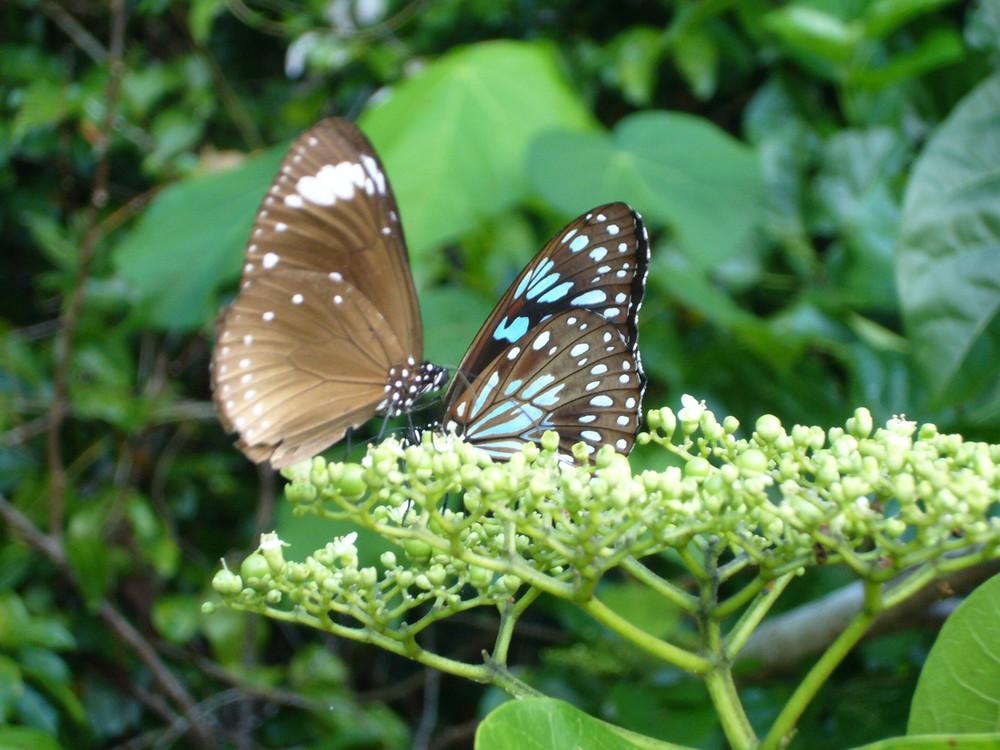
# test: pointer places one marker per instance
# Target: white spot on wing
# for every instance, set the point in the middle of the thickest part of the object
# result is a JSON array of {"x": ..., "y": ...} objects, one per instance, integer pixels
[{"x": 271, "y": 260}]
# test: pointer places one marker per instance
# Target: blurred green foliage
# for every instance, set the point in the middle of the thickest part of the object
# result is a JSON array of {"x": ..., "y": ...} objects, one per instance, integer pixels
[{"x": 821, "y": 182}]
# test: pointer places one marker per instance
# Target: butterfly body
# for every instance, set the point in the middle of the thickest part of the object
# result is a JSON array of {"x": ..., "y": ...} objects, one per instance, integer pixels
[{"x": 325, "y": 332}]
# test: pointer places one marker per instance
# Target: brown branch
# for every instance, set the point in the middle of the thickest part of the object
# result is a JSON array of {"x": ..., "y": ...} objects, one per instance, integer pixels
[
  {"x": 782, "y": 642},
  {"x": 65, "y": 339}
]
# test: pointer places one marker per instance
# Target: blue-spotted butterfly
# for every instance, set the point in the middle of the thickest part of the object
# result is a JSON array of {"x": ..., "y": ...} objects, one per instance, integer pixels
[{"x": 325, "y": 332}]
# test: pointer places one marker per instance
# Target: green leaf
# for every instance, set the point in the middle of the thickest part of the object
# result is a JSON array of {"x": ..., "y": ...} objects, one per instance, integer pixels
[
  {"x": 696, "y": 55},
  {"x": 882, "y": 17},
  {"x": 936, "y": 49},
  {"x": 11, "y": 686},
  {"x": 177, "y": 617},
  {"x": 190, "y": 239},
  {"x": 26, "y": 738},
  {"x": 959, "y": 686},
  {"x": 813, "y": 31},
  {"x": 937, "y": 742},
  {"x": 455, "y": 138},
  {"x": 543, "y": 724},
  {"x": 948, "y": 259},
  {"x": 671, "y": 167}
]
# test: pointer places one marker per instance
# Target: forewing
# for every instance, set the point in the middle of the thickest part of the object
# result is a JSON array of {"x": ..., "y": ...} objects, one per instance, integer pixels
[
  {"x": 597, "y": 263},
  {"x": 330, "y": 209}
]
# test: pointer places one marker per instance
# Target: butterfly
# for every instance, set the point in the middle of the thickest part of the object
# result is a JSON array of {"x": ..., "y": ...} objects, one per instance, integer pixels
[{"x": 325, "y": 332}]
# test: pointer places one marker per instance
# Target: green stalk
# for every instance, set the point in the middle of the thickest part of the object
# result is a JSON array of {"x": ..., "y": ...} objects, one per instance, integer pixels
[
  {"x": 756, "y": 612},
  {"x": 661, "y": 586},
  {"x": 667, "y": 652},
  {"x": 783, "y": 726}
]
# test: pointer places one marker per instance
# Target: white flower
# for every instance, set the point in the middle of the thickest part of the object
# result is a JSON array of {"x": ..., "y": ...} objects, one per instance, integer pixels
[{"x": 691, "y": 409}]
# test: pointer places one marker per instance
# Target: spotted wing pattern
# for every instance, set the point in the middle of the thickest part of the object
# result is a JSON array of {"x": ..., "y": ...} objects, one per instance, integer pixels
[
  {"x": 560, "y": 351},
  {"x": 325, "y": 331}
]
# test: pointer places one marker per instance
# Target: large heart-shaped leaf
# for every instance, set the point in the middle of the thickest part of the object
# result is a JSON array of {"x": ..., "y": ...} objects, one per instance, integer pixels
[
  {"x": 959, "y": 686},
  {"x": 674, "y": 168},
  {"x": 948, "y": 259},
  {"x": 455, "y": 139},
  {"x": 190, "y": 239},
  {"x": 543, "y": 723}
]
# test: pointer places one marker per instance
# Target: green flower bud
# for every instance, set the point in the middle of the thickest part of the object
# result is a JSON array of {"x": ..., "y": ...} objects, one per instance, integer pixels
[
  {"x": 860, "y": 425},
  {"x": 352, "y": 481},
  {"x": 254, "y": 566},
  {"x": 550, "y": 441},
  {"x": 654, "y": 419},
  {"x": 479, "y": 577},
  {"x": 368, "y": 577},
  {"x": 730, "y": 425},
  {"x": 752, "y": 461},
  {"x": 768, "y": 428},
  {"x": 581, "y": 452},
  {"x": 417, "y": 550},
  {"x": 273, "y": 597},
  {"x": 227, "y": 583},
  {"x": 510, "y": 583},
  {"x": 437, "y": 575},
  {"x": 388, "y": 559},
  {"x": 697, "y": 467}
]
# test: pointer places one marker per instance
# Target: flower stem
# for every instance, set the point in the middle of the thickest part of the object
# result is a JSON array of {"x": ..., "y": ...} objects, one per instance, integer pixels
[
  {"x": 669, "y": 653},
  {"x": 822, "y": 669}
]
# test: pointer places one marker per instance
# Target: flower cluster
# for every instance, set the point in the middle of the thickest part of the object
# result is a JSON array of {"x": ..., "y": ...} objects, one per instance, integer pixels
[{"x": 472, "y": 532}]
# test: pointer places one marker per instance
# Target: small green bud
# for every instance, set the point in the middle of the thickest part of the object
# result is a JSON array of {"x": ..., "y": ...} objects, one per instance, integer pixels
[
  {"x": 368, "y": 577},
  {"x": 273, "y": 597},
  {"x": 227, "y": 583},
  {"x": 480, "y": 577},
  {"x": 423, "y": 582},
  {"x": 752, "y": 461},
  {"x": 352, "y": 481},
  {"x": 768, "y": 428},
  {"x": 730, "y": 425},
  {"x": 254, "y": 566},
  {"x": 437, "y": 575},
  {"x": 388, "y": 559},
  {"x": 550, "y": 441},
  {"x": 654, "y": 419},
  {"x": 860, "y": 425},
  {"x": 510, "y": 583},
  {"x": 417, "y": 550},
  {"x": 581, "y": 452},
  {"x": 697, "y": 467}
]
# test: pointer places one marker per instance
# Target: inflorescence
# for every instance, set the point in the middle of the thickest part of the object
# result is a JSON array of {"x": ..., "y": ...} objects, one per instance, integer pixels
[{"x": 471, "y": 532}]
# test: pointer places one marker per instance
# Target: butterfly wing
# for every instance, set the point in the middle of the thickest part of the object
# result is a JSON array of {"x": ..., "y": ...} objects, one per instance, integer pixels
[
  {"x": 574, "y": 373},
  {"x": 597, "y": 262},
  {"x": 560, "y": 350},
  {"x": 325, "y": 331}
]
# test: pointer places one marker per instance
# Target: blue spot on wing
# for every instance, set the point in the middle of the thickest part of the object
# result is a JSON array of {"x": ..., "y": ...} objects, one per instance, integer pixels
[
  {"x": 513, "y": 330},
  {"x": 556, "y": 292}
]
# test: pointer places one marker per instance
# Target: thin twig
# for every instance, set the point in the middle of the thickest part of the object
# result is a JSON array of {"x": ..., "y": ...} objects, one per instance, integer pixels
[
  {"x": 75, "y": 31},
  {"x": 65, "y": 339}
]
